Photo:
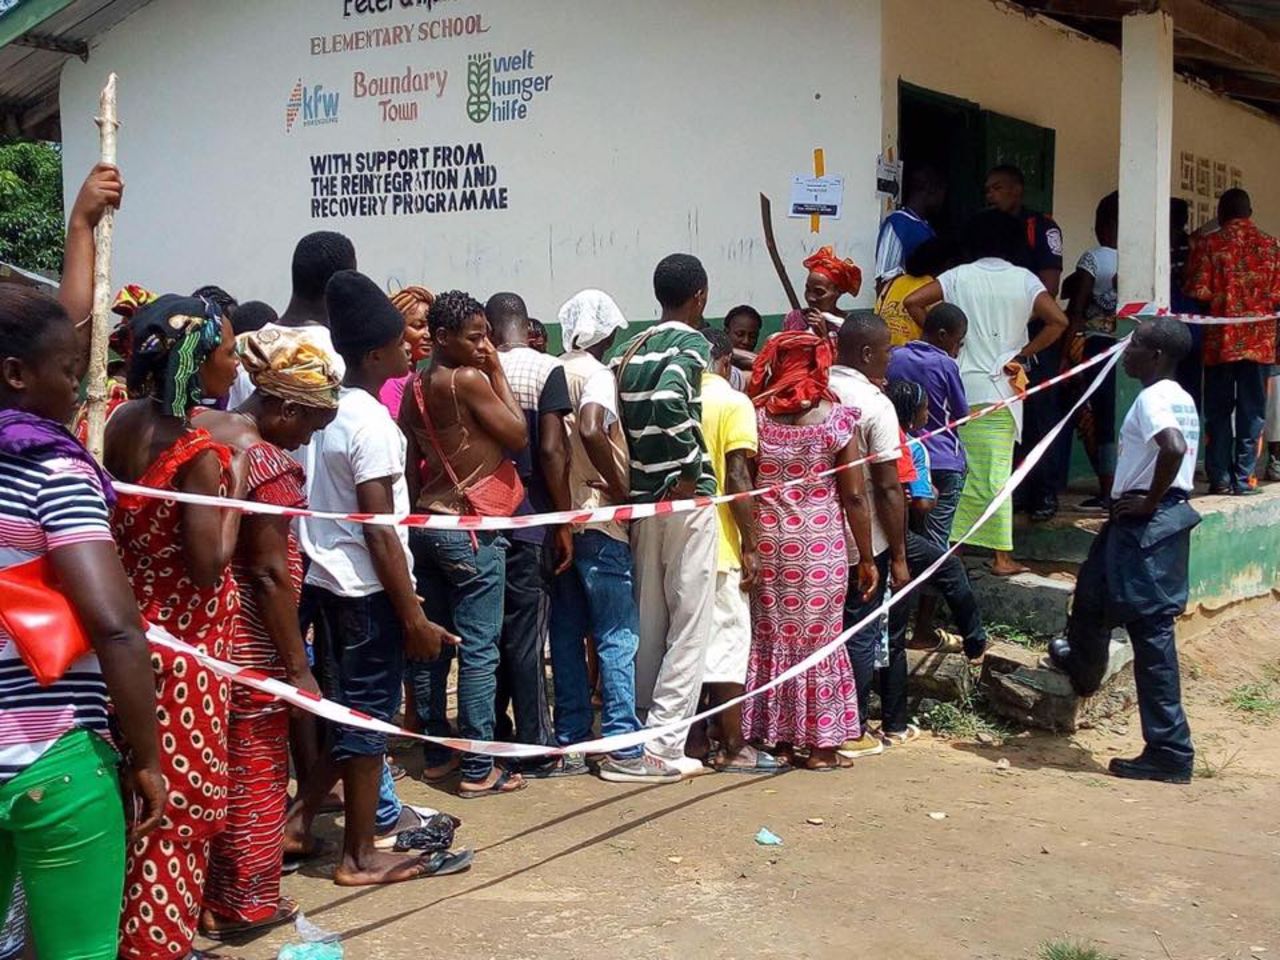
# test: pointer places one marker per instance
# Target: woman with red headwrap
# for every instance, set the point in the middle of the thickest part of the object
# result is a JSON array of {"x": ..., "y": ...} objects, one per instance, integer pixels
[
  {"x": 829, "y": 279},
  {"x": 798, "y": 602}
]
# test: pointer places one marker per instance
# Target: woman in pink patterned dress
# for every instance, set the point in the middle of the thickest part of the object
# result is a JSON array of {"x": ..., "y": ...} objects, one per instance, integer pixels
[{"x": 803, "y": 575}]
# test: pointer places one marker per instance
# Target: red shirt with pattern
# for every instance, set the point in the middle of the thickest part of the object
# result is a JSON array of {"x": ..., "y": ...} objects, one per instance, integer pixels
[{"x": 1236, "y": 271}]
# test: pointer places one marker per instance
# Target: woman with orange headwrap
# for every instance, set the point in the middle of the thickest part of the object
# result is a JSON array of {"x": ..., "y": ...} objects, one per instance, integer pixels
[
  {"x": 803, "y": 573},
  {"x": 413, "y": 302},
  {"x": 829, "y": 279}
]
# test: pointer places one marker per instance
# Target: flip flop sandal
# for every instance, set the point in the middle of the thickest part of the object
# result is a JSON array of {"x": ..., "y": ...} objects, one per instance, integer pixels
[
  {"x": 765, "y": 765},
  {"x": 948, "y": 642},
  {"x": 442, "y": 777},
  {"x": 284, "y": 914},
  {"x": 444, "y": 863},
  {"x": 293, "y": 862},
  {"x": 498, "y": 788}
]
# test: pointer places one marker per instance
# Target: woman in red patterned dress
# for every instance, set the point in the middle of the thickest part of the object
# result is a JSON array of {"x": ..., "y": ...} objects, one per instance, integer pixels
[
  {"x": 178, "y": 558},
  {"x": 296, "y": 394},
  {"x": 798, "y": 603}
]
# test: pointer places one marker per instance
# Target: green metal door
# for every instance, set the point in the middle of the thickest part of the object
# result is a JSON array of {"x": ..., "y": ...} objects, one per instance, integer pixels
[{"x": 1030, "y": 148}]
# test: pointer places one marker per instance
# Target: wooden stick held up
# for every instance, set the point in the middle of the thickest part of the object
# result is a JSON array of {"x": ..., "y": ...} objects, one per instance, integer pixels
[
  {"x": 766, "y": 220},
  {"x": 97, "y": 387}
]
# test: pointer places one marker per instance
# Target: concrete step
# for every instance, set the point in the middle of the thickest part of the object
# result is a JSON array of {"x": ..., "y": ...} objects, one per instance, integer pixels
[
  {"x": 1235, "y": 551},
  {"x": 1017, "y": 687},
  {"x": 1036, "y": 602}
]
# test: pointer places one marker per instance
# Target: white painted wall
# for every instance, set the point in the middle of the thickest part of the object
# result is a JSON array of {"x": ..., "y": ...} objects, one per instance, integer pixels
[
  {"x": 1034, "y": 70},
  {"x": 662, "y": 122}
]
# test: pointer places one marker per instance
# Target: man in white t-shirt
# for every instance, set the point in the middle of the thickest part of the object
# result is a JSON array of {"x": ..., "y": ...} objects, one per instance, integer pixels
[
  {"x": 1136, "y": 572},
  {"x": 863, "y": 362},
  {"x": 362, "y": 573}
]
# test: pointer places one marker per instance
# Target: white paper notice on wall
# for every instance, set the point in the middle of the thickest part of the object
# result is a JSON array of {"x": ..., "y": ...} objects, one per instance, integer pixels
[
  {"x": 821, "y": 195},
  {"x": 888, "y": 177}
]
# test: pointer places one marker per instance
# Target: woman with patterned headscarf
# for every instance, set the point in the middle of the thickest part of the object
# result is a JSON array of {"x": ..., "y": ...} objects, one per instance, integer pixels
[
  {"x": 296, "y": 394},
  {"x": 178, "y": 557},
  {"x": 830, "y": 278},
  {"x": 803, "y": 572},
  {"x": 129, "y": 300}
]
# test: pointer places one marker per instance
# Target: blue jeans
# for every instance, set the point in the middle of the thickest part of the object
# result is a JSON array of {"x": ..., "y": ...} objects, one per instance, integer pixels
[
  {"x": 388, "y": 813},
  {"x": 596, "y": 598},
  {"x": 462, "y": 588},
  {"x": 1235, "y": 394},
  {"x": 938, "y": 521},
  {"x": 862, "y": 645},
  {"x": 365, "y": 666}
]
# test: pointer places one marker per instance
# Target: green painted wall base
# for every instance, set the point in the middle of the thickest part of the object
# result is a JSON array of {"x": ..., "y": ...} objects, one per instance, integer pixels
[{"x": 1235, "y": 551}]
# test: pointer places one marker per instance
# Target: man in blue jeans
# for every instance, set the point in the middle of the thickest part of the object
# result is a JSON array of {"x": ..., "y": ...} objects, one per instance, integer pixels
[
  {"x": 460, "y": 417},
  {"x": 595, "y": 597},
  {"x": 365, "y": 589}
]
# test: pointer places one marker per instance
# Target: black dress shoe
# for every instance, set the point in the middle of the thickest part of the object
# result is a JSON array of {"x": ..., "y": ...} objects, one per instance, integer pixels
[
  {"x": 1059, "y": 652},
  {"x": 1140, "y": 768}
]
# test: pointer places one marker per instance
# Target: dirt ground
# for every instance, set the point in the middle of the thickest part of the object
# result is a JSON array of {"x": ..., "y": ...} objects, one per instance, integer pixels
[{"x": 1049, "y": 848}]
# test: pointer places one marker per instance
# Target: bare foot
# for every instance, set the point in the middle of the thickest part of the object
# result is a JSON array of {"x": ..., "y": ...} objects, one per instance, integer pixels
[
  {"x": 441, "y": 772},
  {"x": 375, "y": 868},
  {"x": 499, "y": 781},
  {"x": 826, "y": 759},
  {"x": 1005, "y": 566}
]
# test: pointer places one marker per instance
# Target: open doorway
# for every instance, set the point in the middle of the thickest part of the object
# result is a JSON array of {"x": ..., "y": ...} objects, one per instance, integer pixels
[{"x": 962, "y": 142}]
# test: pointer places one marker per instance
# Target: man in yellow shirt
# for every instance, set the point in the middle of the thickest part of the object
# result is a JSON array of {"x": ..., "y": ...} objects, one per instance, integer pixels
[{"x": 729, "y": 427}]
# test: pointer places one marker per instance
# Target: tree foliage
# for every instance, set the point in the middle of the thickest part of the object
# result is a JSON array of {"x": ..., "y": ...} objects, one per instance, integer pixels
[{"x": 31, "y": 227}]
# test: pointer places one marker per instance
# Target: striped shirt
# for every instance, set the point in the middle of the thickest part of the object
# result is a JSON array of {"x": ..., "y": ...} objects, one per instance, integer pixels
[
  {"x": 660, "y": 399},
  {"x": 44, "y": 506}
]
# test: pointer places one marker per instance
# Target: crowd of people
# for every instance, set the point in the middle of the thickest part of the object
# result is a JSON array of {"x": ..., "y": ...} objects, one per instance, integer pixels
[{"x": 353, "y": 402}]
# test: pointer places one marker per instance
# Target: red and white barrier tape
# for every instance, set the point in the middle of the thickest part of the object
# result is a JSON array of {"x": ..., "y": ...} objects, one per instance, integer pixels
[
  {"x": 336, "y": 712},
  {"x": 1145, "y": 311},
  {"x": 622, "y": 513}
]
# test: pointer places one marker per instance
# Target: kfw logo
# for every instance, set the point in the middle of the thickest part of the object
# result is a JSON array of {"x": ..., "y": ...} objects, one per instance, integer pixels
[{"x": 314, "y": 105}]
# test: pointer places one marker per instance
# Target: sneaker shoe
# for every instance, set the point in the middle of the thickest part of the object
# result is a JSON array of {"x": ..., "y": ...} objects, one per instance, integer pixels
[
  {"x": 690, "y": 767},
  {"x": 866, "y": 745},
  {"x": 905, "y": 736},
  {"x": 569, "y": 765},
  {"x": 645, "y": 769},
  {"x": 1140, "y": 768}
]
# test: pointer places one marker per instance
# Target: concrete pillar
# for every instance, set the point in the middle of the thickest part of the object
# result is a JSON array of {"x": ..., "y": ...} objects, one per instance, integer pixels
[{"x": 1146, "y": 156}]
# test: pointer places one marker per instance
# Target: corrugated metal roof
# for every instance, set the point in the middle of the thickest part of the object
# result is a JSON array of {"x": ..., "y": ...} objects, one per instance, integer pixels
[{"x": 31, "y": 63}]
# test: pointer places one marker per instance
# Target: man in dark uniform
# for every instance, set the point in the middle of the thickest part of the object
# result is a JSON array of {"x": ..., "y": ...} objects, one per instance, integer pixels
[
  {"x": 1136, "y": 573},
  {"x": 1042, "y": 255}
]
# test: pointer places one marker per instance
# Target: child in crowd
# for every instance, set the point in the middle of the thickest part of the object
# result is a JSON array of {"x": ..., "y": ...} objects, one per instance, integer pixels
[
  {"x": 930, "y": 362},
  {"x": 911, "y": 402},
  {"x": 743, "y": 324},
  {"x": 362, "y": 572}
]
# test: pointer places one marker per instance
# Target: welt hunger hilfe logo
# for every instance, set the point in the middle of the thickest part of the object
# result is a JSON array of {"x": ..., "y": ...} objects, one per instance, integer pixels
[{"x": 313, "y": 104}]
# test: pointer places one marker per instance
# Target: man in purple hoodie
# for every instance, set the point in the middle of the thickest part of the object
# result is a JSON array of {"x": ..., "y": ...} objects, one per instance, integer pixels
[{"x": 931, "y": 363}]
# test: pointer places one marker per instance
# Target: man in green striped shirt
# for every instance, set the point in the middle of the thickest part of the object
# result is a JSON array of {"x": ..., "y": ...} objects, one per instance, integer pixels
[{"x": 660, "y": 392}]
